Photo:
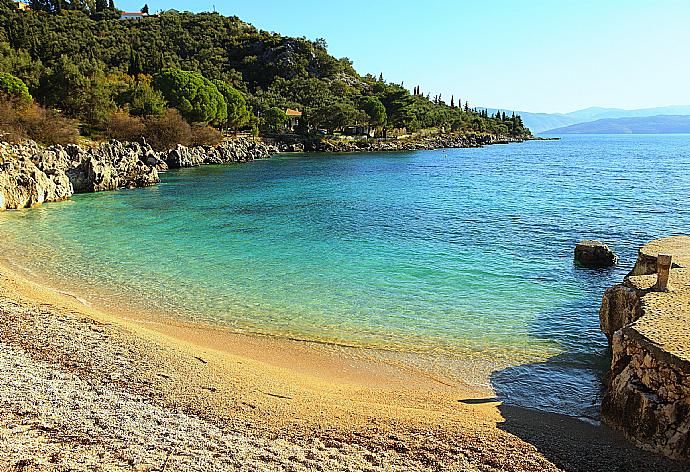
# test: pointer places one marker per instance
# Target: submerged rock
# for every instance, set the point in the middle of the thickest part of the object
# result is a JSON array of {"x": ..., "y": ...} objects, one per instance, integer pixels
[{"x": 594, "y": 254}]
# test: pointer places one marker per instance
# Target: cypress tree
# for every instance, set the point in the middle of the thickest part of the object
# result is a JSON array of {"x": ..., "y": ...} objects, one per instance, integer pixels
[{"x": 452, "y": 101}]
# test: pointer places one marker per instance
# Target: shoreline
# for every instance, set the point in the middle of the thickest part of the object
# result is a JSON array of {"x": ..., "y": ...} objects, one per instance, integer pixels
[{"x": 360, "y": 413}]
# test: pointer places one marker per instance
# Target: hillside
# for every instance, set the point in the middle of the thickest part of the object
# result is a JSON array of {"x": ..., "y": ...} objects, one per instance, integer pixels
[
  {"x": 662, "y": 124},
  {"x": 86, "y": 63}
]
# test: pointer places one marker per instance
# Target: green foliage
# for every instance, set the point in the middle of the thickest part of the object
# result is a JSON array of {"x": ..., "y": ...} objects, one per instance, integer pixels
[
  {"x": 237, "y": 112},
  {"x": 19, "y": 63},
  {"x": 336, "y": 115},
  {"x": 273, "y": 120},
  {"x": 14, "y": 88},
  {"x": 76, "y": 56},
  {"x": 143, "y": 100},
  {"x": 193, "y": 95},
  {"x": 375, "y": 110}
]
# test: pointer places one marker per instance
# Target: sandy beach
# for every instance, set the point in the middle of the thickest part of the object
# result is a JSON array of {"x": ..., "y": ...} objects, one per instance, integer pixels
[{"x": 85, "y": 389}]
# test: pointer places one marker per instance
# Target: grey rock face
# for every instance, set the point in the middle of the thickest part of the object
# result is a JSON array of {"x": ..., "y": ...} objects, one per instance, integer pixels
[{"x": 31, "y": 175}]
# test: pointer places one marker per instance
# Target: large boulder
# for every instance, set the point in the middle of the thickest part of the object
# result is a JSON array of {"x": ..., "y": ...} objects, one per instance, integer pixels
[
  {"x": 23, "y": 185},
  {"x": 594, "y": 254}
]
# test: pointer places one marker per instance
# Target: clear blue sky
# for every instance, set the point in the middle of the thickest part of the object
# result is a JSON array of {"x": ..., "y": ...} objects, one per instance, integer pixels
[{"x": 532, "y": 55}]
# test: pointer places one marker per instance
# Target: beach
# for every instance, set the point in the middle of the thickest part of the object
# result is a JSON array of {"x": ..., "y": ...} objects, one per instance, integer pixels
[{"x": 82, "y": 388}]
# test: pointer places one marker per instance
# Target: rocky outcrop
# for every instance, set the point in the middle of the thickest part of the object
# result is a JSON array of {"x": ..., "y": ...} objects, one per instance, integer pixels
[
  {"x": 647, "y": 390},
  {"x": 31, "y": 174},
  {"x": 236, "y": 151},
  {"x": 594, "y": 254},
  {"x": 407, "y": 144}
]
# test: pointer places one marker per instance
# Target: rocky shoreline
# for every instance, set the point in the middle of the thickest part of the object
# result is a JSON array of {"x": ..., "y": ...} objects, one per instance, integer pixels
[
  {"x": 421, "y": 143},
  {"x": 31, "y": 175},
  {"x": 647, "y": 390}
]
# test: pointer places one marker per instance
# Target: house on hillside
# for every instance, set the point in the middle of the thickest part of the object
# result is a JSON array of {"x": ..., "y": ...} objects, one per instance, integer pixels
[
  {"x": 293, "y": 117},
  {"x": 132, "y": 15},
  {"x": 21, "y": 6}
]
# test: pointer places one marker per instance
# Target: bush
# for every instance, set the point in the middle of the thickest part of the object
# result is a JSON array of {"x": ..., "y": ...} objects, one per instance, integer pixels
[
  {"x": 204, "y": 135},
  {"x": 123, "y": 127},
  {"x": 35, "y": 122},
  {"x": 168, "y": 130},
  {"x": 13, "y": 88},
  {"x": 48, "y": 126}
]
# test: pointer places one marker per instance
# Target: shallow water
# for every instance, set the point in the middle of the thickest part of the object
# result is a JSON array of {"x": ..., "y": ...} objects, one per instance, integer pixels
[{"x": 452, "y": 254}]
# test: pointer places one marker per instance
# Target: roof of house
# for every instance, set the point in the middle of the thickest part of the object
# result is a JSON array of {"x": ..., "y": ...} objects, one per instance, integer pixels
[
  {"x": 291, "y": 112},
  {"x": 132, "y": 13}
]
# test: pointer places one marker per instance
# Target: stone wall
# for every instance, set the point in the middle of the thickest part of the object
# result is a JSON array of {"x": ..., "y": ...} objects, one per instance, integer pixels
[{"x": 647, "y": 390}]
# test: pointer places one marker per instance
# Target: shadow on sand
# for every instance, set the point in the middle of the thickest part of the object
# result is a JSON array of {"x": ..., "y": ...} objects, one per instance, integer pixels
[{"x": 571, "y": 443}]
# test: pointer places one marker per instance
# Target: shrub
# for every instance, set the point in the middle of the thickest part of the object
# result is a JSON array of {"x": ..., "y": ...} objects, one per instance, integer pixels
[
  {"x": 48, "y": 126},
  {"x": 168, "y": 130},
  {"x": 13, "y": 87},
  {"x": 123, "y": 127},
  {"x": 205, "y": 135},
  {"x": 35, "y": 122}
]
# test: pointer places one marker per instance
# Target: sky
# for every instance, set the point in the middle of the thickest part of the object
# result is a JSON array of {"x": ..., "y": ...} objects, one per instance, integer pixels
[{"x": 529, "y": 55}]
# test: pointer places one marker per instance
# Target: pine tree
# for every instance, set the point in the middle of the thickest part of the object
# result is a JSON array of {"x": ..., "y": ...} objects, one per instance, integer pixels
[
  {"x": 111, "y": 5},
  {"x": 381, "y": 77},
  {"x": 467, "y": 107},
  {"x": 145, "y": 9},
  {"x": 452, "y": 101},
  {"x": 101, "y": 5},
  {"x": 503, "y": 117}
]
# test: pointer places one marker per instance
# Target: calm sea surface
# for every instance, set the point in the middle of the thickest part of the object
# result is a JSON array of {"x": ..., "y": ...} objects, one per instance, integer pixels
[{"x": 452, "y": 255}]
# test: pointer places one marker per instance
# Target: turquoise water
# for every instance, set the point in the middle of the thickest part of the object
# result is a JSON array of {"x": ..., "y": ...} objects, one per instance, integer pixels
[{"x": 455, "y": 254}]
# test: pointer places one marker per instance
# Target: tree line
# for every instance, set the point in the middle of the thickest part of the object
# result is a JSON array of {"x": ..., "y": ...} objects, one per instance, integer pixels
[{"x": 78, "y": 58}]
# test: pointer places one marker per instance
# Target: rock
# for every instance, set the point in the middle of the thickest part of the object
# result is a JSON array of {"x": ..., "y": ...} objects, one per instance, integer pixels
[
  {"x": 594, "y": 254},
  {"x": 647, "y": 388},
  {"x": 32, "y": 174}
]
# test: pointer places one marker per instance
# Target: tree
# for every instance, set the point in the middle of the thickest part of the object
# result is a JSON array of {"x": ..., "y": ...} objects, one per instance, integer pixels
[
  {"x": 238, "y": 114},
  {"x": 193, "y": 95},
  {"x": 101, "y": 5},
  {"x": 398, "y": 104},
  {"x": 375, "y": 110},
  {"x": 335, "y": 115},
  {"x": 143, "y": 100},
  {"x": 13, "y": 87},
  {"x": 452, "y": 101},
  {"x": 145, "y": 9},
  {"x": 111, "y": 5},
  {"x": 78, "y": 87},
  {"x": 273, "y": 120}
]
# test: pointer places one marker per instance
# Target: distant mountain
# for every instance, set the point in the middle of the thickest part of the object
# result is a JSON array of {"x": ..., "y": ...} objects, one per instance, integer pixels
[
  {"x": 540, "y": 122},
  {"x": 598, "y": 113},
  {"x": 660, "y": 124}
]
